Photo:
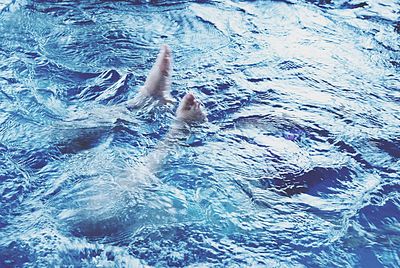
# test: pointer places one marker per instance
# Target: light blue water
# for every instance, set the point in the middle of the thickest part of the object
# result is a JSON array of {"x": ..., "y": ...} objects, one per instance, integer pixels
[{"x": 298, "y": 165}]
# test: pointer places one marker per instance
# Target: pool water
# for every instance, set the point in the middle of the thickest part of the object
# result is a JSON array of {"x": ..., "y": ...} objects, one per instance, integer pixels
[{"x": 297, "y": 166}]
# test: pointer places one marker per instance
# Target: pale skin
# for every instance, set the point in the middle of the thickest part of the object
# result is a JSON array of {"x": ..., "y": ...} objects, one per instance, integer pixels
[{"x": 157, "y": 88}]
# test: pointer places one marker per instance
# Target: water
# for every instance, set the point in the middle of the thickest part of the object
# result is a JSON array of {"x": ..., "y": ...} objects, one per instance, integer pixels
[{"x": 298, "y": 165}]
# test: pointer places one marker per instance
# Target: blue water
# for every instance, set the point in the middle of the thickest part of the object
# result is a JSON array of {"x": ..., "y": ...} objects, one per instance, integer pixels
[{"x": 297, "y": 166}]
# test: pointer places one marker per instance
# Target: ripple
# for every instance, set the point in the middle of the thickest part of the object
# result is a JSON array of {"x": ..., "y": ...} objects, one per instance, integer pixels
[{"x": 296, "y": 166}]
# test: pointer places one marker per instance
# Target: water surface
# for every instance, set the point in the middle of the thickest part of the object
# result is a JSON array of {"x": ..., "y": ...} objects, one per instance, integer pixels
[{"x": 298, "y": 165}]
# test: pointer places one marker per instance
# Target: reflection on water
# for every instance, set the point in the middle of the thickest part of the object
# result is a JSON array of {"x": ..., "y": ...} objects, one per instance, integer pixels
[{"x": 297, "y": 166}]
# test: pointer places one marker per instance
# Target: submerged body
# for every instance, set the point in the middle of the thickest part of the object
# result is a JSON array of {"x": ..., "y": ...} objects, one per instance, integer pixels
[{"x": 123, "y": 212}]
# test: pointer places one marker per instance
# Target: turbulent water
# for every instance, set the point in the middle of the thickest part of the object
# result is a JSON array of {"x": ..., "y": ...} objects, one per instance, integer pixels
[{"x": 297, "y": 166}]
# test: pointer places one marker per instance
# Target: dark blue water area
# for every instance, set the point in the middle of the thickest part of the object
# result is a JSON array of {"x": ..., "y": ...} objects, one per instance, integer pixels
[{"x": 298, "y": 164}]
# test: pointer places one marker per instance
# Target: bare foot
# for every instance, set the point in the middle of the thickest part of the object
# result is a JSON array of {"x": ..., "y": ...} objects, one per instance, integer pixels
[
  {"x": 190, "y": 110},
  {"x": 158, "y": 81}
]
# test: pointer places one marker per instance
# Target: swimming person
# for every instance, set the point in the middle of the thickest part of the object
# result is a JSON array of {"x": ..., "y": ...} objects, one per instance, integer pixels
[
  {"x": 157, "y": 89},
  {"x": 126, "y": 200}
]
